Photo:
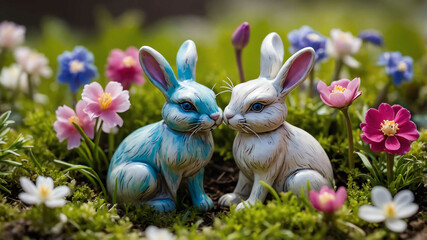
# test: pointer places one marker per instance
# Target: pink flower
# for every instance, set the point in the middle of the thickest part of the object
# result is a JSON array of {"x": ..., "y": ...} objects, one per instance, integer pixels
[
  {"x": 64, "y": 124},
  {"x": 389, "y": 129},
  {"x": 123, "y": 67},
  {"x": 32, "y": 62},
  {"x": 326, "y": 200},
  {"x": 106, "y": 105},
  {"x": 341, "y": 93},
  {"x": 11, "y": 34}
]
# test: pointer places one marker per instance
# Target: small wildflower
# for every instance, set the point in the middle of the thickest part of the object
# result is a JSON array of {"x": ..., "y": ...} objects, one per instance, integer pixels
[
  {"x": 11, "y": 34},
  {"x": 106, "y": 105},
  {"x": 397, "y": 66},
  {"x": 389, "y": 129},
  {"x": 43, "y": 192},
  {"x": 76, "y": 68},
  {"x": 155, "y": 233},
  {"x": 307, "y": 37},
  {"x": 342, "y": 45},
  {"x": 340, "y": 93},
  {"x": 372, "y": 36},
  {"x": 123, "y": 67},
  {"x": 327, "y": 200},
  {"x": 13, "y": 77},
  {"x": 389, "y": 210},
  {"x": 32, "y": 62},
  {"x": 65, "y": 129},
  {"x": 240, "y": 36}
]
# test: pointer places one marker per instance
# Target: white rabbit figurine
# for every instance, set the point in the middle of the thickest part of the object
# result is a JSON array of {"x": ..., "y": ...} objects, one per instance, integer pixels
[
  {"x": 150, "y": 163},
  {"x": 266, "y": 147}
]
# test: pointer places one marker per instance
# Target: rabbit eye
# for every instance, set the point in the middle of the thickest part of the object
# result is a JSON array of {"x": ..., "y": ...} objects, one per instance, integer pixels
[
  {"x": 257, "y": 107},
  {"x": 186, "y": 106}
]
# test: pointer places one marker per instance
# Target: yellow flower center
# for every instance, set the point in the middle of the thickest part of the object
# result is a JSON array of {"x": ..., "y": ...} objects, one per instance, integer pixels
[
  {"x": 325, "y": 197},
  {"x": 45, "y": 191},
  {"x": 402, "y": 67},
  {"x": 74, "y": 119},
  {"x": 389, "y": 128},
  {"x": 343, "y": 36},
  {"x": 33, "y": 56},
  {"x": 389, "y": 210},
  {"x": 76, "y": 66},
  {"x": 313, "y": 36},
  {"x": 128, "y": 61},
  {"x": 105, "y": 101},
  {"x": 338, "y": 88}
]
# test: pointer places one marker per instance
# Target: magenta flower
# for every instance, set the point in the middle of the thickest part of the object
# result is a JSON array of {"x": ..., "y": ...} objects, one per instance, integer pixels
[
  {"x": 389, "y": 129},
  {"x": 326, "y": 200},
  {"x": 123, "y": 67},
  {"x": 64, "y": 128},
  {"x": 106, "y": 105},
  {"x": 341, "y": 93},
  {"x": 240, "y": 36}
]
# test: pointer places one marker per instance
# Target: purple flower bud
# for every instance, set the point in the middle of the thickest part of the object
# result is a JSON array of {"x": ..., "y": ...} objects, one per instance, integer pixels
[
  {"x": 240, "y": 36},
  {"x": 372, "y": 36}
]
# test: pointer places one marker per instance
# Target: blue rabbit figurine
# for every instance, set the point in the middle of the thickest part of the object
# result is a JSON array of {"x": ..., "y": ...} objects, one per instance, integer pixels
[{"x": 149, "y": 165}]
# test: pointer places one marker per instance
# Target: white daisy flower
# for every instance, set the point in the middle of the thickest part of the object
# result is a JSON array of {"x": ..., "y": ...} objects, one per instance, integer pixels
[
  {"x": 155, "y": 233},
  {"x": 389, "y": 210},
  {"x": 343, "y": 45},
  {"x": 32, "y": 62},
  {"x": 11, "y": 34},
  {"x": 43, "y": 192}
]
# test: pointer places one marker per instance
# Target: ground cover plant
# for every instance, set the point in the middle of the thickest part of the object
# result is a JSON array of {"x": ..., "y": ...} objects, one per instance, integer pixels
[{"x": 365, "y": 102}]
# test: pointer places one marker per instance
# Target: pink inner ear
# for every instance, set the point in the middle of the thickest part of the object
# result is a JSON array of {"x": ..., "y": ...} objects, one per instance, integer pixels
[
  {"x": 297, "y": 70},
  {"x": 153, "y": 70}
]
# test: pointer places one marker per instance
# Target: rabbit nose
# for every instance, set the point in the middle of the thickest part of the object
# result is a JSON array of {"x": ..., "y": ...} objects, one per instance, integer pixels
[
  {"x": 214, "y": 116},
  {"x": 228, "y": 116}
]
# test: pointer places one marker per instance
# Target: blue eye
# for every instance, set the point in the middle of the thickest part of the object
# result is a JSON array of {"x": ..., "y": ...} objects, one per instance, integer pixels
[
  {"x": 257, "y": 107},
  {"x": 186, "y": 106}
]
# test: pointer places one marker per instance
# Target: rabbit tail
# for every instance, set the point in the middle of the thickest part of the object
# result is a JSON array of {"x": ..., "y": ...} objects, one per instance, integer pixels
[{"x": 300, "y": 178}]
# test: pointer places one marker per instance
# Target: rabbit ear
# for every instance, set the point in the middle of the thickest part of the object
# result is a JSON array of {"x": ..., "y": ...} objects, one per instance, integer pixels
[
  {"x": 271, "y": 55},
  {"x": 295, "y": 70},
  {"x": 158, "y": 70},
  {"x": 186, "y": 60}
]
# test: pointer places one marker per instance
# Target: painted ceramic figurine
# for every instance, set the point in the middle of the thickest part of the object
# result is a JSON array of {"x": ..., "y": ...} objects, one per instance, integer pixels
[
  {"x": 266, "y": 147},
  {"x": 149, "y": 165}
]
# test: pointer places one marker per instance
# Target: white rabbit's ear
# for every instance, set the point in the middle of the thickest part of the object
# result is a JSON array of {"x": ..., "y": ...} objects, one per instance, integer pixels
[
  {"x": 158, "y": 70},
  {"x": 186, "y": 60},
  {"x": 272, "y": 52},
  {"x": 295, "y": 70}
]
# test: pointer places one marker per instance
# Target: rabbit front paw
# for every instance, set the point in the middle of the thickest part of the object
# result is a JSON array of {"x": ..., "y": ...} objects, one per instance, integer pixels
[
  {"x": 243, "y": 205},
  {"x": 230, "y": 199},
  {"x": 203, "y": 203}
]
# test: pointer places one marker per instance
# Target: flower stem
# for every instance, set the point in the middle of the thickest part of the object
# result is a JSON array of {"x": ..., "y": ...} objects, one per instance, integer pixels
[
  {"x": 337, "y": 71},
  {"x": 30, "y": 87},
  {"x": 3, "y": 52},
  {"x": 110, "y": 145},
  {"x": 239, "y": 65},
  {"x": 74, "y": 99},
  {"x": 350, "y": 138},
  {"x": 97, "y": 138},
  {"x": 382, "y": 96},
  {"x": 16, "y": 91},
  {"x": 390, "y": 163},
  {"x": 310, "y": 85}
]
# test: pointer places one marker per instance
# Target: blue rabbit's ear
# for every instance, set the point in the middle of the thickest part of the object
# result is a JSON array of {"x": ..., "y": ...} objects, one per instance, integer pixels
[
  {"x": 158, "y": 70},
  {"x": 186, "y": 60},
  {"x": 271, "y": 55}
]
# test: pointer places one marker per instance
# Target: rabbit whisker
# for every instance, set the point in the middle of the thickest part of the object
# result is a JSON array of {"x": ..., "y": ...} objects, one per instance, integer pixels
[
  {"x": 250, "y": 129},
  {"x": 228, "y": 84},
  {"x": 195, "y": 131},
  {"x": 242, "y": 127},
  {"x": 222, "y": 92},
  {"x": 231, "y": 82},
  {"x": 213, "y": 87},
  {"x": 226, "y": 87}
]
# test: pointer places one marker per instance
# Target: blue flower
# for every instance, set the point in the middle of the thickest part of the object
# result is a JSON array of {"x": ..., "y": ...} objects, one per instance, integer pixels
[
  {"x": 372, "y": 36},
  {"x": 76, "y": 68},
  {"x": 306, "y": 37},
  {"x": 400, "y": 68}
]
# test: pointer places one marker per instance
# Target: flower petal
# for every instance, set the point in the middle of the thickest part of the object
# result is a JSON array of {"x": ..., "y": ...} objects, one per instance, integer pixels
[
  {"x": 60, "y": 192},
  {"x": 408, "y": 131},
  {"x": 337, "y": 99},
  {"x": 403, "y": 197},
  {"x": 380, "y": 196},
  {"x": 28, "y": 185},
  {"x": 92, "y": 92},
  {"x": 371, "y": 214},
  {"x": 55, "y": 203},
  {"x": 373, "y": 134},
  {"x": 392, "y": 143},
  {"x": 402, "y": 116},
  {"x": 406, "y": 210},
  {"x": 373, "y": 118},
  {"x": 29, "y": 198},
  {"x": 396, "y": 225},
  {"x": 350, "y": 61},
  {"x": 386, "y": 112},
  {"x": 340, "y": 197},
  {"x": 314, "y": 199},
  {"x": 114, "y": 88}
]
